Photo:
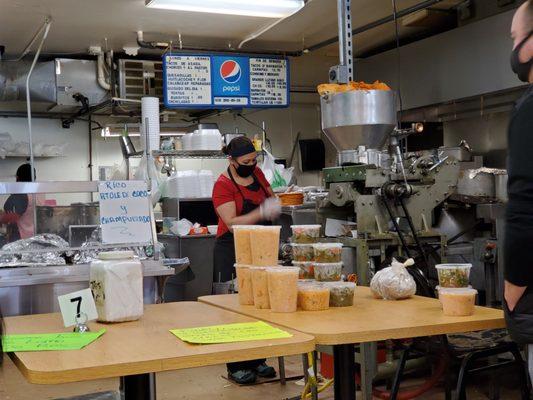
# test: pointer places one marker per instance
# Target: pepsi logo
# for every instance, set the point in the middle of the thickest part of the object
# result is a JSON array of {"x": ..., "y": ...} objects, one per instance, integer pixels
[{"x": 230, "y": 71}]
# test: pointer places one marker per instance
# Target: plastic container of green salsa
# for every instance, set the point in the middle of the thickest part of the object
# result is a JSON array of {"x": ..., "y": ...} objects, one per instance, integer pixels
[
  {"x": 453, "y": 275},
  {"x": 303, "y": 252},
  {"x": 305, "y": 233},
  {"x": 307, "y": 269},
  {"x": 328, "y": 252},
  {"x": 341, "y": 294},
  {"x": 328, "y": 272}
]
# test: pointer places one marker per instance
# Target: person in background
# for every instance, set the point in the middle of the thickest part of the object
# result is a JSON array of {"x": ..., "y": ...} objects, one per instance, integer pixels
[
  {"x": 18, "y": 210},
  {"x": 241, "y": 196},
  {"x": 518, "y": 258}
]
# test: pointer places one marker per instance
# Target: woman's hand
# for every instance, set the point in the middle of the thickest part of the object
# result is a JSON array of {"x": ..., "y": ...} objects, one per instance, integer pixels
[
  {"x": 270, "y": 208},
  {"x": 513, "y": 294}
]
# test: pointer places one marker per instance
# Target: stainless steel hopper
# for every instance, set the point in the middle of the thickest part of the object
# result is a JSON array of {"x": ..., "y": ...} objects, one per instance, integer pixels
[{"x": 358, "y": 117}]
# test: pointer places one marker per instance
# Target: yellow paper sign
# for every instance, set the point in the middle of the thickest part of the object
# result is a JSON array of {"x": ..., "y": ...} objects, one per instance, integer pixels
[
  {"x": 49, "y": 341},
  {"x": 229, "y": 333}
]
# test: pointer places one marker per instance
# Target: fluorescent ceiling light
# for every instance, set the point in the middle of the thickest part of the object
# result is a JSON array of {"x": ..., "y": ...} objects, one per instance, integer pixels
[{"x": 253, "y": 8}]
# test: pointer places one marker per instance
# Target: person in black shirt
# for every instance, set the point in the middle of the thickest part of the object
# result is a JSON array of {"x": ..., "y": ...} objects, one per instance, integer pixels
[{"x": 518, "y": 241}]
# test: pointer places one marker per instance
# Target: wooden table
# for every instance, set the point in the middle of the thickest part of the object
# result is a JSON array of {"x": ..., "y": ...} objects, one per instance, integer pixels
[
  {"x": 135, "y": 350},
  {"x": 369, "y": 320}
]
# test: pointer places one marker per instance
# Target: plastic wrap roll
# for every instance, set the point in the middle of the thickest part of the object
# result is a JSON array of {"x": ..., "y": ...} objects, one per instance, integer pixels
[{"x": 150, "y": 112}]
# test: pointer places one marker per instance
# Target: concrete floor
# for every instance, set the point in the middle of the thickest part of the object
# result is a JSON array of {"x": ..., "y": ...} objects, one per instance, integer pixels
[{"x": 193, "y": 384}]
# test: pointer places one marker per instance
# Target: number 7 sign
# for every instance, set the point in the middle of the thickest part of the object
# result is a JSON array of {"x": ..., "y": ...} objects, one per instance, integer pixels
[{"x": 78, "y": 304}]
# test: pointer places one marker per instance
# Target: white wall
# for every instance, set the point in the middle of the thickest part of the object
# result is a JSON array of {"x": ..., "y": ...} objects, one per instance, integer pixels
[
  {"x": 72, "y": 166},
  {"x": 464, "y": 62}
]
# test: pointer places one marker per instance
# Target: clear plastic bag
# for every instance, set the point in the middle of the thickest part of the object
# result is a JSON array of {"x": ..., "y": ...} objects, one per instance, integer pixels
[
  {"x": 155, "y": 175},
  {"x": 276, "y": 174},
  {"x": 393, "y": 283}
]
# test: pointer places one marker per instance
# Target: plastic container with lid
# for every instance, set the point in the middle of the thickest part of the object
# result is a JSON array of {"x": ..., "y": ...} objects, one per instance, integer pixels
[
  {"x": 313, "y": 297},
  {"x": 264, "y": 241},
  {"x": 305, "y": 233},
  {"x": 303, "y": 252},
  {"x": 453, "y": 275},
  {"x": 243, "y": 250},
  {"x": 328, "y": 272},
  {"x": 328, "y": 252},
  {"x": 307, "y": 269},
  {"x": 283, "y": 288},
  {"x": 260, "y": 287},
  {"x": 116, "y": 280},
  {"x": 341, "y": 294},
  {"x": 457, "y": 302},
  {"x": 244, "y": 282}
]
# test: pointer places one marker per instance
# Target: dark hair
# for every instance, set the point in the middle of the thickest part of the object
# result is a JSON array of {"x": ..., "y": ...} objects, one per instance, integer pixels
[
  {"x": 240, "y": 145},
  {"x": 24, "y": 173}
]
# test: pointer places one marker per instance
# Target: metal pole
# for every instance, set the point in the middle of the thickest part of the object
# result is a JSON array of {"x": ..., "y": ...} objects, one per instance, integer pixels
[
  {"x": 149, "y": 159},
  {"x": 344, "y": 20}
]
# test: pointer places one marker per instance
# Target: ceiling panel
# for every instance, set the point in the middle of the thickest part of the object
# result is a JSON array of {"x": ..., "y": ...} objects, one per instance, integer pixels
[{"x": 79, "y": 24}]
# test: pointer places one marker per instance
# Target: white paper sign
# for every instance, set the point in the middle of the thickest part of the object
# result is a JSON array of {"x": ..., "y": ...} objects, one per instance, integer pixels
[
  {"x": 78, "y": 305},
  {"x": 124, "y": 212},
  {"x": 188, "y": 80},
  {"x": 268, "y": 82}
]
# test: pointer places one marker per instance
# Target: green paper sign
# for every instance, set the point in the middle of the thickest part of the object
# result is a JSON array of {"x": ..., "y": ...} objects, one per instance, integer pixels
[
  {"x": 229, "y": 333},
  {"x": 49, "y": 341}
]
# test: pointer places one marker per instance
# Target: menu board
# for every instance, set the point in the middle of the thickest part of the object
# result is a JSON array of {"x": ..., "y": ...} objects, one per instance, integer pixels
[
  {"x": 268, "y": 81},
  {"x": 124, "y": 212},
  {"x": 227, "y": 81}
]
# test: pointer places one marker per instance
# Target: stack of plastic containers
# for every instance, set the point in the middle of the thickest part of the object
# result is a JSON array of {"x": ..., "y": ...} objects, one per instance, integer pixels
[
  {"x": 321, "y": 261},
  {"x": 455, "y": 294},
  {"x": 206, "y": 182},
  {"x": 150, "y": 122}
]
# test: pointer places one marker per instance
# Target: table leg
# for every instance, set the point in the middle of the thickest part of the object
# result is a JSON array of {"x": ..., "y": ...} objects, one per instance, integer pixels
[
  {"x": 139, "y": 387},
  {"x": 344, "y": 369},
  {"x": 368, "y": 368}
]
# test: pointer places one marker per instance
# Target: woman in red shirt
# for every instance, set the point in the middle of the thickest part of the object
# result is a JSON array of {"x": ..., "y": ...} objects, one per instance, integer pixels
[{"x": 241, "y": 196}]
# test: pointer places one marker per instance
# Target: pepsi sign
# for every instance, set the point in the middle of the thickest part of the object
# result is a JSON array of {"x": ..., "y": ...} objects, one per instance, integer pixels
[
  {"x": 225, "y": 81},
  {"x": 231, "y": 76}
]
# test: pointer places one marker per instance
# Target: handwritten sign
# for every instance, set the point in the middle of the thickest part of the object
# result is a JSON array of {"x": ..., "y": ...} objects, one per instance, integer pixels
[
  {"x": 124, "y": 212},
  {"x": 49, "y": 341},
  {"x": 77, "y": 306},
  {"x": 229, "y": 333}
]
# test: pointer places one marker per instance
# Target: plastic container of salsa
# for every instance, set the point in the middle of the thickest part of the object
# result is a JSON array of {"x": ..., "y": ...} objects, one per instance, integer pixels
[
  {"x": 328, "y": 272},
  {"x": 264, "y": 241},
  {"x": 307, "y": 269},
  {"x": 305, "y": 233},
  {"x": 458, "y": 302},
  {"x": 283, "y": 288},
  {"x": 303, "y": 252},
  {"x": 341, "y": 294},
  {"x": 313, "y": 297},
  {"x": 260, "y": 287},
  {"x": 328, "y": 252},
  {"x": 244, "y": 281},
  {"x": 453, "y": 275}
]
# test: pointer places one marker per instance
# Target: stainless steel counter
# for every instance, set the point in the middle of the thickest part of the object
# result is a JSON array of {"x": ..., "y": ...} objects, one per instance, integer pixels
[{"x": 34, "y": 290}]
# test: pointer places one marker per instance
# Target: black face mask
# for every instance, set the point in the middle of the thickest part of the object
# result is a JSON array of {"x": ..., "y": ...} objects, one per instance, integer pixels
[
  {"x": 521, "y": 69},
  {"x": 244, "y": 171}
]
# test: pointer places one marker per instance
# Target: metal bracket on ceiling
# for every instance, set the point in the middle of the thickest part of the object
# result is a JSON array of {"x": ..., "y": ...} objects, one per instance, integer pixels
[{"x": 343, "y": 73}]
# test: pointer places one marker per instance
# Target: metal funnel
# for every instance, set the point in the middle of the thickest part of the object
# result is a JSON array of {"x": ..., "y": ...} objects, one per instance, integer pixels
[{"x": 358, "y": 117}]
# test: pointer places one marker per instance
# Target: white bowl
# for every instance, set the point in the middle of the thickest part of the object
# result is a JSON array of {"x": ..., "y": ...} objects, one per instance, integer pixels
[{"x": 212, "y": 229}]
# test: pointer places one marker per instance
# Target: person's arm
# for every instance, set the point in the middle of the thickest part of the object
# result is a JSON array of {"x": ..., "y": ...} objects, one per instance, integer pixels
[
  {"x": 513, "y": 294},
  {"x": 15, "y": 206},
  {"x": 228, "y": 213}
]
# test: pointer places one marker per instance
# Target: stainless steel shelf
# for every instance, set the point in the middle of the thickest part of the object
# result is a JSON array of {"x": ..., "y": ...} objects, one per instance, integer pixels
[{"x": 189, "y": 154}]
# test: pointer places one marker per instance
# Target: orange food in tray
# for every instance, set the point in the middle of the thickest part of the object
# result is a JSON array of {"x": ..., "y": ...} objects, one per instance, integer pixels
[{"x": 334, "y": 88}]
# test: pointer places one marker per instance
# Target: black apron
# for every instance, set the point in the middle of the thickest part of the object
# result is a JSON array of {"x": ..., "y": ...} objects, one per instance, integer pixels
[{"x": 224, "y": 252}]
